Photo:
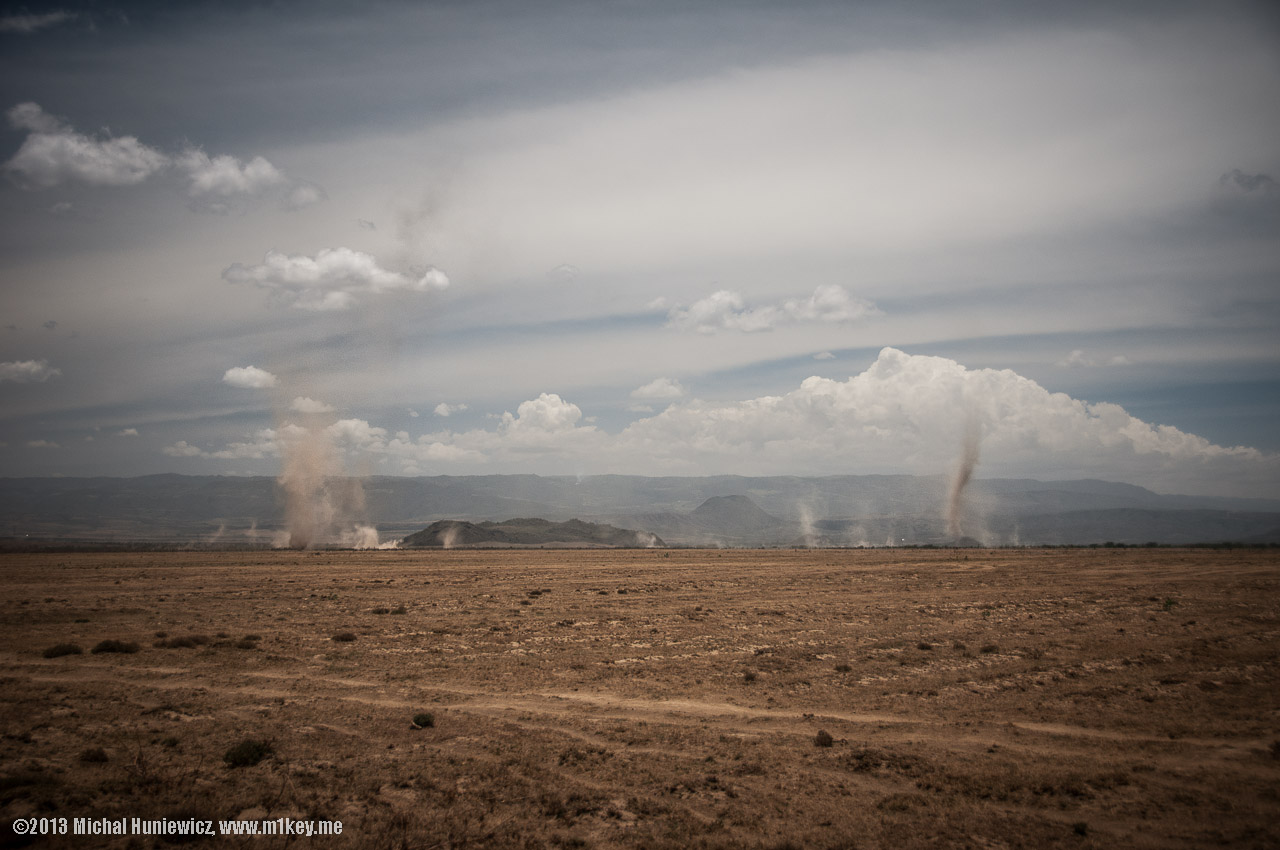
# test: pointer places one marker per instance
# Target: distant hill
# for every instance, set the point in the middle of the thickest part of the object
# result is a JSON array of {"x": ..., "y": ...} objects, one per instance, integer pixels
[{"x": 449, "y": 533}]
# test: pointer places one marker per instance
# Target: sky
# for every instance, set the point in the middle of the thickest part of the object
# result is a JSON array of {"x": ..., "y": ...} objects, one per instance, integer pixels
[{"x": 577, "y": 238}]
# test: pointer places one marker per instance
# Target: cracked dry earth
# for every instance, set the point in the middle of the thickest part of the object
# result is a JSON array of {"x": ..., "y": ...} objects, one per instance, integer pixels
[{"x": 654, "y": 699}]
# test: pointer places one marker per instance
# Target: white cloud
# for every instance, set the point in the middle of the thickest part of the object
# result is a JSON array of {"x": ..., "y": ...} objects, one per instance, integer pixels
[
  {"x": 302, "y": 194},
  {"x": 548, "y": 413},
  {"x": 1075, "y": 360},
  {"x": 226, "y": 175},
  {"x": 444, "y": 409},
  {"x": 42, "y": 444},
  {"x": 335, "y": 279},
  {"x": 53, "y": 154},
  {"x": 659, "y": 388},
  {"x": 824, "y": 355},
  {"x": 413, "y": 414},
  {"x": 726, "y": 310},
  {"x": 26, "y": 24},
  {"x": 1078, "y": 359},
  {"x": 127, "y": 432},
  {"x": 304, "y": 404},
  {"x": 27, "y": 371},
  {"x": 904, "y": 414},
  {"x": 249, "y": 378}
]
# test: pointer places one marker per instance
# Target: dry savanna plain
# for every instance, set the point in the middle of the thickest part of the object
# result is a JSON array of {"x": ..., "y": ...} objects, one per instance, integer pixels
[{"x": 651, "y": 698}]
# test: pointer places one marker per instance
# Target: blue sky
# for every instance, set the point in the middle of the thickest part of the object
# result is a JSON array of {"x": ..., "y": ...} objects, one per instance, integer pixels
[{"x": 575, "y": 238}]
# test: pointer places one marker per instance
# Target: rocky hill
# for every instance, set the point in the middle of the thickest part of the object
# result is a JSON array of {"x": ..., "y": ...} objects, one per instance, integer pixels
[{"x": 449, "y": 533}]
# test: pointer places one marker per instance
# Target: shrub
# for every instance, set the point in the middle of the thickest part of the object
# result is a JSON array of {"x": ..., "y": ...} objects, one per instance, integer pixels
[
  {"x": 247, "y": 753},
  {"x": 1080, "y": 828},
  {"x": 989, "y": 648},
  {"x": 399, "y": 609},
  {"x": 843, "y": 668},
  {"x": 344, "y": 637},
  {"x": 823, "y": 739},
  {"x": 382, "y": 610},
  {"x": 424, "y": 720},
  {"x": 183, "y": 642},
  {"x": 93, "y": 755},
  {"x": 749, "y": 676},
  {"x": 246, "y": 643},
  {"x": 60, "y": 649},
  {"x": 115, "y": 646},
  {"x": 925, "y": 645}
]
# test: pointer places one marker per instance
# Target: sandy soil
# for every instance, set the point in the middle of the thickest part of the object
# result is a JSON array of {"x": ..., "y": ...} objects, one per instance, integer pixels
[{"x": 654, "y": 699}]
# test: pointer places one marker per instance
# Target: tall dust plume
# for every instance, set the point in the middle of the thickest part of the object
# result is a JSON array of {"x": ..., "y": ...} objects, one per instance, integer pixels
[
  {"x": 322, "y": 504},
  {"x": 964, "y": 473}
]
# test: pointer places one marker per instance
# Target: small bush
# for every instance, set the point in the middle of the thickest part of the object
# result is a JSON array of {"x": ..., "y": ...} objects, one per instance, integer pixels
[
  {"x": 925, "y": 645},
  {"x": 253, "y": 637},
  {"x": 424, "y": 720},
  {"x": 749, "y": 676},
  {"x": 399, "y": 609},
  {"x": 245, "y": 643},
  {"x": 115, "y": 646},
  {"x": 823, "y": 739},
  {"x": 344, "y": 637},
  {"x": 60, "y": 649},
  {"x": 843, "y": 668},
  {"x": 382, "y": 610},
  {"x": 1168, "y": 604},
  {"x": 247, "y": 753},
  {"x": 183, "y": 642},
  {"x": 989, "y": 648},
  {"x": 94, "y": 755},
  {"x": 1080, "y": 828}
]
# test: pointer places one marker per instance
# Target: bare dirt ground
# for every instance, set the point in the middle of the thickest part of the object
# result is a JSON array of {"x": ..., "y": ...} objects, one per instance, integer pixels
[{"x": 654, "y": 699}]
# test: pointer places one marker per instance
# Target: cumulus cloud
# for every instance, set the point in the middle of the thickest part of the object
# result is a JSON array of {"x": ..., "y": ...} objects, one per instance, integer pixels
[
  {"x": 28, "y": 23},
  {"x": 127, "y": 432},
  {"x": 727, "y": 310},
  {"x": 304, "y": 404},
  {"x": 249, "y": 378},
  {"x": 226, "y": 175},
  {"x": 658, "y": 389},
  {"x": 27, "y": 371},
  {"x": 42, "y": 444},
  {"x": 334, "y": 279},
  {"x": 55, "y": 153},
  {"x": 824, "y": 355},
  {"x": 444, "y": 409}
]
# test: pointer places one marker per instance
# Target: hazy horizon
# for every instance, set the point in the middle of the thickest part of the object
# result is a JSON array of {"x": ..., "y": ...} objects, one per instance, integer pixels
[{"x": 300, "y": 239}]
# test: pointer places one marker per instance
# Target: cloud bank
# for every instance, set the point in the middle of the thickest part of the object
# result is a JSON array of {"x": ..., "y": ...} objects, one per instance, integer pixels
[
  {"x": 905, "y": 413},
  {"x": 727, "y": 310}
]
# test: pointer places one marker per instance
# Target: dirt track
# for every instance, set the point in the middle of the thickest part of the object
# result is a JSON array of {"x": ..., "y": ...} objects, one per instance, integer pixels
[{"x": 1076, "y": 698}]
